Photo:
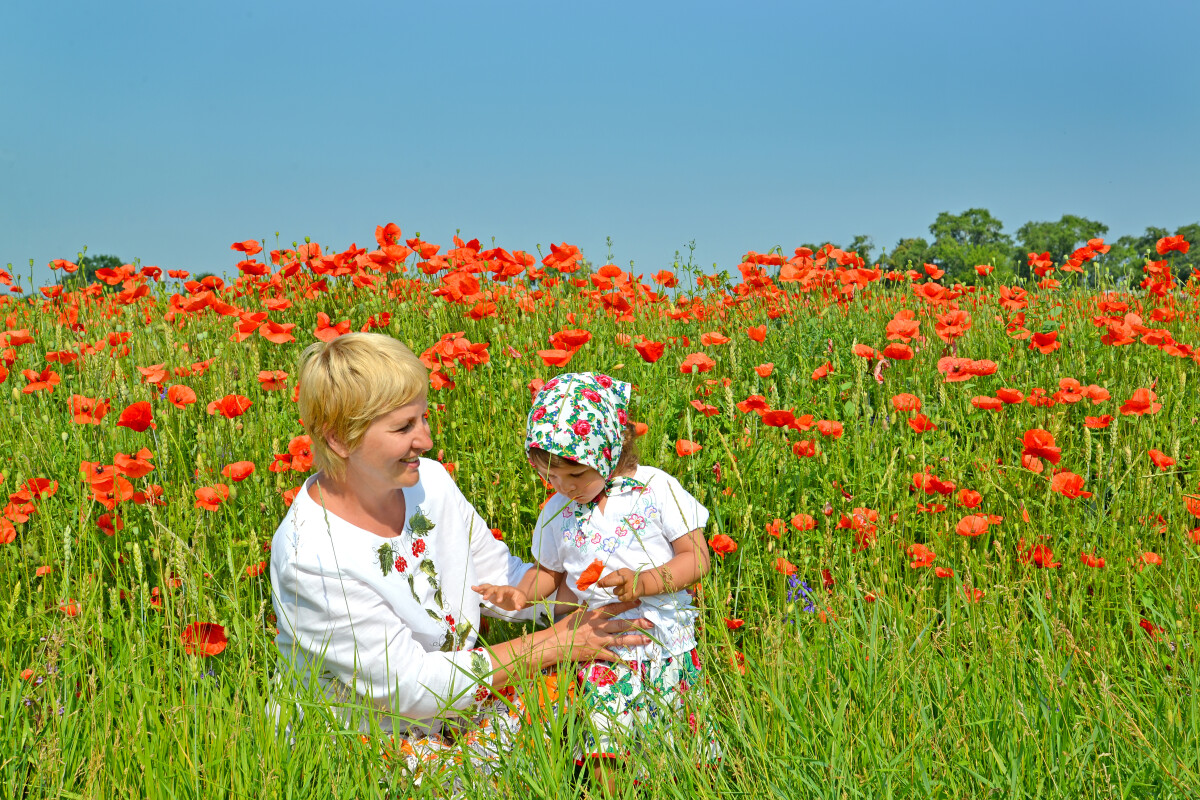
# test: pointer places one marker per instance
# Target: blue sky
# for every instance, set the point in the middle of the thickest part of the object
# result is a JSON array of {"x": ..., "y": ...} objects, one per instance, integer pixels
[{"x": 166, "y": 131}]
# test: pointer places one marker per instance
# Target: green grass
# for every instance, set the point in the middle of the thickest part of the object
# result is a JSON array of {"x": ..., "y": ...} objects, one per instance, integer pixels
[{"x": 1047, "y": 687}]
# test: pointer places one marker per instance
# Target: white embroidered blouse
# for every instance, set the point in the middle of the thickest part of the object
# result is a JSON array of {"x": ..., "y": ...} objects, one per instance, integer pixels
[
  {"x": 389, "y": 622},
  {"x": 635, "y": 531}
]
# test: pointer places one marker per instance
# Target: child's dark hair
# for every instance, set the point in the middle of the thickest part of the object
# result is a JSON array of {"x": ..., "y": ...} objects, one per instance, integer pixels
[{"x": 627, "y": 463}]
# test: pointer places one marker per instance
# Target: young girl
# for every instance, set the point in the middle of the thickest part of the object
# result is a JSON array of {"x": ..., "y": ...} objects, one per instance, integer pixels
[{"x": 615, "y": 530}]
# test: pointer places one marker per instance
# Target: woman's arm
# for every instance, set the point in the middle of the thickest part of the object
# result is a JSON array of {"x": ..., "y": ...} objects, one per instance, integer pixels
[
  {"x": 690, "y": 564},
  {"x": 340, "y": 628},
  {"x": 582, "y": 636}
]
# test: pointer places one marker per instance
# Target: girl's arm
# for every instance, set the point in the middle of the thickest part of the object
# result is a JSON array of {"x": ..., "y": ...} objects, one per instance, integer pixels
[
  {"x": 537, "y": 584},
  {"x": 690, "y": 564}
]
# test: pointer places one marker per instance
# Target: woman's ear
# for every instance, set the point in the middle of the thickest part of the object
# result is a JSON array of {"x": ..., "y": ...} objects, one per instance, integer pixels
[{"x": 337, "y": 446}]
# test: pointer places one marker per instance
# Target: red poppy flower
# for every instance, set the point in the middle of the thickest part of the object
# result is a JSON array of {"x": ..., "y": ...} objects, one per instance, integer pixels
[
  {"x": 1150, "y": 559},
  {"x": 696, "y": 362},
  {"x": 87, "y": 410},
  {"x": 822, "y": 371},
  {"x": 865, "y": 351},
  {"x": 722, "y": 545},
  {"x": 230, "y": 406},
  {"x": 803, "y": 522},
  {"x": 898, "y": 352},
  {"x": 684, "y": 447},
  {"x": 555, "y": 358},
  {"x": 327, "y": 330},
  {"x": 1097, "y": 423},
  {"x": 154, "y": 374},
  {"x": 1169, "y": 243},
  {"x": 733, "y": 624},
  {"x": 203, "y": 639},
  {"x": 110, "y": 524},
  {"x": 973, "y": 595},
  {"x": 921, "y": 556},
  {"x": 705, "y": 408},
  {"x": 973, "y": 525},
  {"x": 758, "y": 333},
  {"x": 943, "y": 572},
  {"x": 238, "y": 470},
  {"x": 785, "y": 567},
  {"x": 137, "y": 417},
  {"x": 209, "y": 498},
  {"x": 134, "y": 466},
  {"x": 1040, "y": 444},
  {"x": 590, "y": 575},
  {"x": 1161, "y": 459},
  {"x": 921, "y": 424},
  {"x": 714, "y": 338},
  {"x": 272, "y": 379},
  {"x": 778, "y": 418},
  {"x": 830, "y": 428},
  {"x": 45, "y": 380},
  {"x": 649, "y": 351},
  {"x": 1040, "y": 556},
  {"x": 1142, "y": 402},
  {"x": 1091, "y": 560},
  {"x": 986, "y": 403},
  {"x": 1010, "y": 396},
  {"x": 968, "y": 498},
  {"x": 765, "y": 370},
  {"x": 805, "y": 448},
  {"x": 250, "y": 247},
  {"x": 1068, "y": 484},
  {"x": 906, "y": 402}
]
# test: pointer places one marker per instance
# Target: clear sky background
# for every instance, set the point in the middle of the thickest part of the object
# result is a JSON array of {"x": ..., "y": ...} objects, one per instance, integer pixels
[{"x": 165, "y": 131}]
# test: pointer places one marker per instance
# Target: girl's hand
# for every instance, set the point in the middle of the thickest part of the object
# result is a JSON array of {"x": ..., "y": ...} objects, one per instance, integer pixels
[
  {"x": 624, "y": 583},
  {"x": 509, "y": 598}
]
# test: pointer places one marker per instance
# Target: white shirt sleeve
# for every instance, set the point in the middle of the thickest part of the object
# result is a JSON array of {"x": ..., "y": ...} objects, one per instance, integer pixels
[
  {"x": 494, "y": 563},
  {"x": 371, "y": 651},
  {"x": 681, "y": 513}
]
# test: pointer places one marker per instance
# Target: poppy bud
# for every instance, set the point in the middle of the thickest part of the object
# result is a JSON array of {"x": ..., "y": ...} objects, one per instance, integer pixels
[{"x": 828, "y": 510}]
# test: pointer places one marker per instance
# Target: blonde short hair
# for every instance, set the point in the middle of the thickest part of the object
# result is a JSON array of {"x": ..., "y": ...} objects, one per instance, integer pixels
[{"x": 346, "y": 383}]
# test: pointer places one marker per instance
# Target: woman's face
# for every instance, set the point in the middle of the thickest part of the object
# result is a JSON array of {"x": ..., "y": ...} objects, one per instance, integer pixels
[
  {"x": 577, "y": 481},
  {"x": 390, "y": 448}
]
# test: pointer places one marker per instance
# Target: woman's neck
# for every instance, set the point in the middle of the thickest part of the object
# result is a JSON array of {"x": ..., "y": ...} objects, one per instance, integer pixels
[{"x": 382, "y": 513}]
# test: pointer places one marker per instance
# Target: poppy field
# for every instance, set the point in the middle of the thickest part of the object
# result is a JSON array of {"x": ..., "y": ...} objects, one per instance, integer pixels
[{"x": 956, "y": 528}]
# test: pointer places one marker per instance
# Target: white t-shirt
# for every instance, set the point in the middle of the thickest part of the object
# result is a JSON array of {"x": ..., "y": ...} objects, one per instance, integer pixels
[
  {"x": 635, "y": 531},
  {"x": 389, "y": 623}
]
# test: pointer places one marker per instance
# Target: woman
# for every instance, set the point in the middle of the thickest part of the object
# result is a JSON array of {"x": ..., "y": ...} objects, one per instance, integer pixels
[{"x": 372, "y": 567}]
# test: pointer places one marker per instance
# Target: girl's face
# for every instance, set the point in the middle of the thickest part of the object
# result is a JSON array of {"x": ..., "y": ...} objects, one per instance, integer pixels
[{"x": 577, "y": 481}]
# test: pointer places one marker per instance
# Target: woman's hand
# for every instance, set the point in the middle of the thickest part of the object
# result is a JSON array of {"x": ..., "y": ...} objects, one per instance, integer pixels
[
  {"x": 591, "y": 635},
  {"x": 510, "y": 598}
]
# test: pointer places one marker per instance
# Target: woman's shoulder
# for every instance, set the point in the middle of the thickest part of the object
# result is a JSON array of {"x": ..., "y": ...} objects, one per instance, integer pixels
[{"x": 309, "y": 536}]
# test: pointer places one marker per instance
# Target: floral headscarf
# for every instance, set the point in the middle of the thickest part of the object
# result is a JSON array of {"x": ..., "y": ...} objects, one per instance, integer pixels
[{"x": 581, "y": 416}]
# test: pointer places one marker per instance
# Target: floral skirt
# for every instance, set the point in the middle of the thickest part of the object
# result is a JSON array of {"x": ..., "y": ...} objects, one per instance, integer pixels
[
  {"x": 629, "y": 704},
  {"x": 623, "y": 707}
]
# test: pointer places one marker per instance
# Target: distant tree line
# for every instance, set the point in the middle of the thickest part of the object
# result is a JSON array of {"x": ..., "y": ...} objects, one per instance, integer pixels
[{"x": 961, "y": 241}]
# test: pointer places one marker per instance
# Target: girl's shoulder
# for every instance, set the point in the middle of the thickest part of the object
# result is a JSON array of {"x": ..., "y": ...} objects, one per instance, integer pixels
[{"x": 656, "y": 479}]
